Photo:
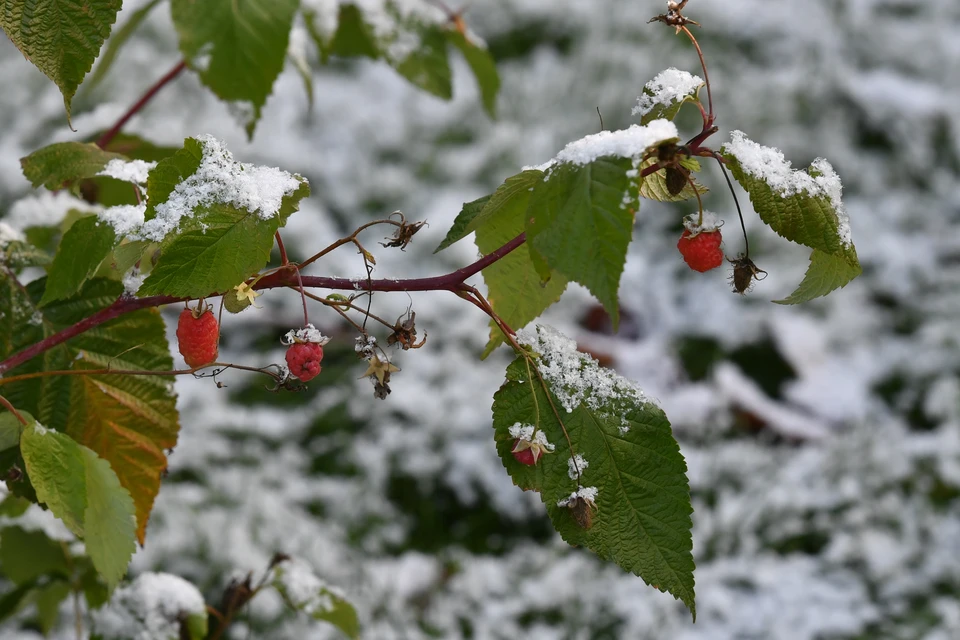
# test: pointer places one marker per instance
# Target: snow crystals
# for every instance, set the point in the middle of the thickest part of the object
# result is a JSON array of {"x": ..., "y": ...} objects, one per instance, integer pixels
[
  {"x": 221, "y": 180},
  {"x": 671, "y": 85},
  {"x": 625, "y": 143},
  {"x": 577, "y": 379},
  {"x": 305, "y": 591},
  {"x": 587, "y": 494},
  {"x": 769, "y": 165},
  {"x": 529, "y": 433},
  {"x": 576, "y": 466},
  {"x": 125, "y": 219},
  {"x": 152, "y": 606},
  {"x": 135, "y": 171},
  {"x": 308, "y": 333}
]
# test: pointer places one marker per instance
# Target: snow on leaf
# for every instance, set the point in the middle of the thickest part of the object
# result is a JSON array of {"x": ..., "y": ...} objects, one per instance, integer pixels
[
  {"x": 153, "y": 606},
  {"x": 663, "y": 96}
]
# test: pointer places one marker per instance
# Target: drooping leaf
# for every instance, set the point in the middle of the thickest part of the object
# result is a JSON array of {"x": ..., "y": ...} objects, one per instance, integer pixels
[
  {"x": 627, "y": 462},
  {"x": 237, "y": 48},
  {"x": 580, "y": 221},
  {"x": 802, "y": 206},
  {"x": 60, "y": 164},
  {"x": 826, "y": 273},
  {"x": 110, "y": 519},
  {"x": 116, "y": 42},
  {"x": 84, "y": 247},
  {"x": 654, "y": 186},
  {"x": 48, "y": 599},
  {"x": 306, "y": 592},
  {"x": 61, "y": 37},
  {"x": 27, "y": 555},
  {"x": 483, "y": 66},
  {"x": 428, "y": 66},
  {"x": 127, "y": 420},
  {"x": 82, "y": 490}
]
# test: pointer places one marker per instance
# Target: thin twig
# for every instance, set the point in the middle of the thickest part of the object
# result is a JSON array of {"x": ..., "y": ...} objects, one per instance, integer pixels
[
  {"x": 736, "y": 201},
  {"x": 706, "y": 78},
  {"x": 140, "y": 104},
  {"x": 9, "y": 407},
  {"x": 342, "y": 241},
  {"x": 127, "y": 372}
]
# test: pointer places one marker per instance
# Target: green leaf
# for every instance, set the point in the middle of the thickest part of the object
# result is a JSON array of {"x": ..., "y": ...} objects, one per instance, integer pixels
[
  {"x": 826, "y": 273},
  {"x": 236, "y": 47},
  {"x": 641, "y": 519},
  {"x": 48, "y": 600},
  {"x": 515, "y": 289},
  {"x": 82, "y": 490},
  {"x": 581, "y": 223},
  {"x": 116, "y": 42},
  {"x": 170, "y": 172},
  {"x": 353, "y": 37},
  {"x": 61, "y": 37},
  {"x": 27, "y": 555},
  {"x": 83, "y": 249},
  {"x": 60, "y": 164},
  {"x": 428, "y": 66},
  {"x": 654, "y": 186},
  {"x": 17, "y": 255},
  {"x": 9, "y": 431},
  {"x": 110, "y": 519},
  {"x": 129, "y": 421},
  {"x": 668, "y": 111},
  {"x": 483, "y": 66},
  {"x": 10, "y": 602},
  {"x": 305, "y": 592},
  {"x": 463, "y": 225},
  {"x": 803, "y": 207}
]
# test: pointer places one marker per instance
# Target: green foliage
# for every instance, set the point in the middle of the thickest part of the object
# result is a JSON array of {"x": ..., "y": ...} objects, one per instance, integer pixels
[
  {"x": 641, "y": 519},
  {"x": 82, "y": 490},
  {"x": 670, "y": 111},
  {"x": 237, "y": 48},
  {"x": 305, "y": 592},
  {"x": 63, "y": 163},
  {"x": 61, "y": 37},
  {"x": 84, "y": 247},
  {"x": 414, "y": 44},
  {"x": 810, "y": 219},
  {"x": 580, "y": 224},
  {"x": 127, "y": 420},
  {"x": 27, "y": 555}
]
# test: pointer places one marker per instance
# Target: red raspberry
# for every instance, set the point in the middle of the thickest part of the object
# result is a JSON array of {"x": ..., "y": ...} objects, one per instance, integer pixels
[
  {"x": 524, "y": 456},
  {"x": 198, "y": 334},
  {"x": 303, "y": 359},
  {"x": 701, "y": 251}
]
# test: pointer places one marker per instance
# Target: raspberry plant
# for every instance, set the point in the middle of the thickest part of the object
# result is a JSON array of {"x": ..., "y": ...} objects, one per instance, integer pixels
[{"x": 89, "y": 411}]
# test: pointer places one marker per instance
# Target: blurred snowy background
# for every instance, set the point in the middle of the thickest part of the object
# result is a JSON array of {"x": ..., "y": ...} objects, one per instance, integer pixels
[{"x": 823, "y": 441}]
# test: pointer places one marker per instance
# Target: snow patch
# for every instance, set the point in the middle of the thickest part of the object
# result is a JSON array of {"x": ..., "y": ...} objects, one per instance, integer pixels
[
  {"x": 625, "y": 143},
  {"x": 671, "y": 85},
  {"x": 149, "y": 607},
  {"x": 45, "y": 209},
  {"x": 304, "y": 589},
  {"x": 126, "y": 219},
  {"x": 135, "y": 171},
  {"x": 769, "y": 165}
]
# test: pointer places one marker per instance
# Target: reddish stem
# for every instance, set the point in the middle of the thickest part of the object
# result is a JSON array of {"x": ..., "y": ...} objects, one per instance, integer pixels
[
  {"x": 9, "y": 407},
  {"x": 107, "y": 137},
  {"x": 283, "y": 250},
  {"x": 449, "y": 282}
]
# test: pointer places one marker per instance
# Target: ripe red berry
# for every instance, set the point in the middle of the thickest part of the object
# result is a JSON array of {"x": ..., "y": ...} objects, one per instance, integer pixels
[
  {"x": 198, "y": 335},
  {"x": 701, "y": 251},
  {"x": 524, "y": 456},
  {"x": 303, "y": 359}
]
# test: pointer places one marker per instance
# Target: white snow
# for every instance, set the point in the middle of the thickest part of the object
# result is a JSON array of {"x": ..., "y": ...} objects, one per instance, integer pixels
[
  {"x": 575, "y": 463},
  {"x": 8, "y": 234},
  {"x": 576, "y": 378},
  {"x": 149, "y": 608},
  {"x": 306, "y": 591},
  {"x": 671, "y": 85},
  {"x": 769, "y": 165},
  {"x": 135, "y": 171},
  {"x": 588, "y": 494},
  {"x": 45, "y": 208},
  {"x": 625, "y": 143},
  {"x": 126, "y": 219},
  {"x": 308, "y": 333},
  {"x": 711, "y": 222},
  {"x": 221, "y": 180},
  {"x": 132, "y": 280}
]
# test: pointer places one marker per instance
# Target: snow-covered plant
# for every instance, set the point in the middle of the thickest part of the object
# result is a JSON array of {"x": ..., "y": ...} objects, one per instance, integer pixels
[{"x": 89, "y": 413}]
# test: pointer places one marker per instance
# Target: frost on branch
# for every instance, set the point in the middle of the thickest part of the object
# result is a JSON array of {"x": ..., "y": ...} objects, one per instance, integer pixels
[{"x": 155, "y": 606}]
